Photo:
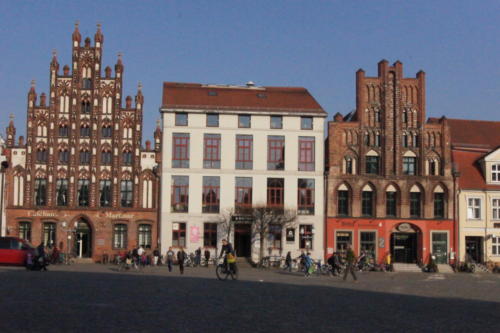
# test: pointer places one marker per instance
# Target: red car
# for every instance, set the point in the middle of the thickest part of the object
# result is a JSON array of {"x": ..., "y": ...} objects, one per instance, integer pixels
[{"x": 13, "y": 250}]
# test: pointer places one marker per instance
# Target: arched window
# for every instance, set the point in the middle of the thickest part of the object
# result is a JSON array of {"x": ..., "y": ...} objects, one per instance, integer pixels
[
  {"x": 127, "y": 132},
  {"x": 106, "y": 131},
  {"x": 409, "y": 164},
  {"x": 147, "y": 193},
  {"x": 84, "y": 157},
  {"x": 41, "y": 130},
  {"x": 439, "y": 202},
  {"x": 144, "y": 234},
  {"x": 405, "y": 117},
  {"x": 391, "y": 201},
  {"x": 63, "y": 156},
  {"x": 64, "y": 104},
  {"x": 377, "y": 139},
  {"x": 107, "y": 105},
  {"x": 367, "y": 201},
  {"x": 63, "y": 131},
  {"x": 86, "y": 107},
  {"x": 40, "y": 192},
  {"x": 85, "y": 131},
  {"x": 120, "y": 236},
  {"x": 86, "y": 78},
  {"x": 127, "y": 157},
  {"x": 106, "y": 157},
  {"x": 343, "y": 201},
  {"x": 83, "y": 192},
  {"x": 349, "y": 165},
  {"x": 405, "y": 139},
  {"x": 367, "y": 138},
  {"x": 18, "y": 198},
  {"x": 415, "y": 202},
  {"x": 372, "y": 163},
  {"x": 41, "y": 155}
]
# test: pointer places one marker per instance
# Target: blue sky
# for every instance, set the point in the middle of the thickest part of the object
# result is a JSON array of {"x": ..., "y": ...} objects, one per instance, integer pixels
[{"x": 315, "y": 44}]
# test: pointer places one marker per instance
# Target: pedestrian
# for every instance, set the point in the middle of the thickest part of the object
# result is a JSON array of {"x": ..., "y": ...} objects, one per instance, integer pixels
[
  {"x": 351, "y": 261},
  {"x": 156, "y": 255},
  {"x": 181, "y": 256},
  {"x": 207, "y": 256},
  {"x": 197, "y": 258},
  {"x": 41, "y": 257},
  {"x": 170, "y": 258},
  {"x": 288, "y": 261}
]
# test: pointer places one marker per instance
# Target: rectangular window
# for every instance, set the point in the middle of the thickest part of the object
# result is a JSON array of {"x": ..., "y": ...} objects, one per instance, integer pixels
[
  {"x": 474, "y": 208},
  {"x": 180, "y": 194},
  {"x": 25, "y": 231},
  {"x": 63, "y": 131},
  {"x": 415, "y": 204},
  {"x": 409, "y": 166},
  {"x": 106, "y": 158},
  {"x": 306, "y": 153},
  {"x": 495, "y": 203},
  {"x": 244, "y": 152},
  {"x": 179, "y": 234},
  {"x": 244, "y": 121},
  {"x": 367, "y": 242},
  {"x": 85, "y": 157},
  {"x": 275, "y": 236},
  {"x": 439, "y": 205},
  {"x": 106, "y": 131},
  {"x": 495, "y": 173},
  {"x": 211, "y": 151},
  {"x": 306, "y": 236},
  {"x": 342, "y": 239},
  {"x": 126, "y": 194},
  {"x": 180, "y": 150},
  {"x": 120, "y": 236},
  {"x": 181, "y": 119},
  {"x": 306, "y": 123},
  {"x": 63, "y": 156},
  {"x": 390, "y": 204},
  {"x": 85, "y": 131},
  {"x": 211, "y": 194},
  {"x": 275, "y": 192},
  {"x": 40, "y": 192},
  {"x": 210, "y": 234},
  {"x": 83, "y": 192},
  {"x": 243, "y": 195},
  {"x": 276, "y": 122},
  {"x": 305, "y": 204},
  {"x": 367, "y": 203},
  {"x": 144, "y": 234},
  {"x": 343, "y": 203},
  {"x": 62, "y": 192},
  {"x": 49, "y": 234},
  {"x": 41, "y": 156},
  {"x": 275, "y": 152},
  {"x": 372, "y": 165},
  {"x": 127, "y": 158},
  {"x": 212, "y": 120},
  {"x": 105, "y": 193},
  {"x": 495, "y": 246}
]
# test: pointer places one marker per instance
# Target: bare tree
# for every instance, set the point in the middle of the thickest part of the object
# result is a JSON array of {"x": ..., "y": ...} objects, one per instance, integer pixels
[
  {"x": 265, "y": 218},
  {"x": 226, "y": 222}
]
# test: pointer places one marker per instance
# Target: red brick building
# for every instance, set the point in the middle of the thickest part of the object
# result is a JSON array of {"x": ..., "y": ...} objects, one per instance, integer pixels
[
  {"x": 389, "y": 178},
  {"x": 82, "y": 179}
]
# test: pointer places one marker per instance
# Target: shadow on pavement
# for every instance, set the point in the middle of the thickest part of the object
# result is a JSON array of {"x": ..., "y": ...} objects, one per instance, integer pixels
[{"x": 84, "y": 301}]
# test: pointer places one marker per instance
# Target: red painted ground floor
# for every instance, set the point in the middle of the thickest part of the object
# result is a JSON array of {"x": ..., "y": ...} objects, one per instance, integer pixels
[
  {"x": 407, "y": 241},
  {"x": 86, "y": 233}
]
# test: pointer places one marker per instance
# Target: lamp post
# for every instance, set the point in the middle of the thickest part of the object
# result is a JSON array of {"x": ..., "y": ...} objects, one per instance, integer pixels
[
  {"x": 3, "y": 169},
  {"x": 69, "y": 231}
]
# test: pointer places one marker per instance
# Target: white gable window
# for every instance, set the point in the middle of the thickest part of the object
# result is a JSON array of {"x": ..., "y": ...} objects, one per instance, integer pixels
[
  {"x": 474, "y": 208},
  {"x": 495, "y": 173}
]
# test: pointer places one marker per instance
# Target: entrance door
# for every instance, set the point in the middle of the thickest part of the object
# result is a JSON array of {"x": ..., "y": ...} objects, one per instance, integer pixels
[
  {"x": 473, "y": 247},
  {"x": 243, "y": 239},
  {"x": 404, "y": 247},
  {"x": 83, "y": 240},
  {"x": 440, "y": 247}
]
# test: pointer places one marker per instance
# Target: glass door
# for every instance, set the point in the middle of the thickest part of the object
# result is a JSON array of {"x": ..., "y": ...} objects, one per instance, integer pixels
[{"x": 440, "y": 247}]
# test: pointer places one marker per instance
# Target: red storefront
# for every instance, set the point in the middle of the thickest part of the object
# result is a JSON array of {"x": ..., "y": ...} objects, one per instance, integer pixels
[{"x": 407, "y": 240}]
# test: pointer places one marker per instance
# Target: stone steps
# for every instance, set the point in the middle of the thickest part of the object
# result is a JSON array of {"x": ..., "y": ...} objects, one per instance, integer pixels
[
  {"x": 411, "y": 268},
  {"x": 445, "y": 268}
]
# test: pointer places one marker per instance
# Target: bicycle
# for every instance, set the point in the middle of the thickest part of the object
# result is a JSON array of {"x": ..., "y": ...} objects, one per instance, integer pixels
[{"x": 224, "y": 270}]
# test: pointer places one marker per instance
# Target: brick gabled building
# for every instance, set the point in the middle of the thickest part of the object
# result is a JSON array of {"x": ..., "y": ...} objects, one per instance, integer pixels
[
  {"x": 82, "y": 179},
  {"x": 389, "y": 178}
]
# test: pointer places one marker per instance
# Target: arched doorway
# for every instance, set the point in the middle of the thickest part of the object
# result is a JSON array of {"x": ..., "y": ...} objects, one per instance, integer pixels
[
  {"x": 405, "y": 238},
  {"x": 83, "y": 239}
]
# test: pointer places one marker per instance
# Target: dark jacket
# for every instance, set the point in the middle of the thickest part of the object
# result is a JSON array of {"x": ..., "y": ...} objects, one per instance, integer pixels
[
  {"x": 350, "y": 256},
  {"x": 228, "y": 248},
  {"x": 181, "y": 256}
]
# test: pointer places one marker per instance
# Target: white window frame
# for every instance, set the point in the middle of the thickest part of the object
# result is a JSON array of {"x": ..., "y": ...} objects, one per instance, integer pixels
[
  {"x": 495, "y": 172},
  {"x": 474, "y": 207},
  {"x": 495, "y": 243},
  {"x": 495, "y": 208}
]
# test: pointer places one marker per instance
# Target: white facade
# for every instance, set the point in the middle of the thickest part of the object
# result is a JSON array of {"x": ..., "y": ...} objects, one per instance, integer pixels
[{"x": 228, "y": 129}]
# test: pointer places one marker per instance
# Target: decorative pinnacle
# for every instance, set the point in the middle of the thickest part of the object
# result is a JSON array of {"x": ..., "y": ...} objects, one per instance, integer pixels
[
  {"x": 158, "y": 123},
  {"x": 11, "y": 117},
  {"x": 33, "y": 83},
  {"x": 99, "y": 26},
  {"x": 139, "y": 86},
  {"x": 54, "y": 53},
  {"x": 77, "y": 23}
]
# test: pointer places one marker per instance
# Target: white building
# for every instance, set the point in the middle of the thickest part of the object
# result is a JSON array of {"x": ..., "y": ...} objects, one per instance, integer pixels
[{"x": 230, "y": 147}]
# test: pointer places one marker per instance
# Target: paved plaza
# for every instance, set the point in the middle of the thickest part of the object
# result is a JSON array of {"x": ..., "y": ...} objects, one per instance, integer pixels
[{"x": 98, "y": 298}]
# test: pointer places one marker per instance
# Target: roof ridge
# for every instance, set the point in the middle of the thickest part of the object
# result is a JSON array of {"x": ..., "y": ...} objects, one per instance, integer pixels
[{"x": 475, "y": 120}]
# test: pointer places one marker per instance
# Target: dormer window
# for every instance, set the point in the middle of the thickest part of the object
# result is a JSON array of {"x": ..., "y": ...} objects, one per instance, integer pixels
[{"x": 495, "y": 173}]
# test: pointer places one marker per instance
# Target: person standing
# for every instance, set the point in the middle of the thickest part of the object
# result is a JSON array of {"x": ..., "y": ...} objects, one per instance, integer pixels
[
  {"x": 156, "y": 256},
  {"x": 170, "y": 258},
  {"x": 288, "y": 261},
  {"x": 207, "y": 256},
  {"x": 181, "y": 256},
  {"x": 351, "y": 261},
  {"x": 197, "y": 258}
]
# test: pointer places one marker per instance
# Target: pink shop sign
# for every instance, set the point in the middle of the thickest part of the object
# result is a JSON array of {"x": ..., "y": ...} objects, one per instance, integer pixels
[{"x": 195, "y": 234}]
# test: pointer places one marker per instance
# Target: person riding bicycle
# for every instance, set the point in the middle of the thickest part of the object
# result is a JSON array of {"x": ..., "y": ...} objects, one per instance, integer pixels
[{"x": 229, "y": 256}]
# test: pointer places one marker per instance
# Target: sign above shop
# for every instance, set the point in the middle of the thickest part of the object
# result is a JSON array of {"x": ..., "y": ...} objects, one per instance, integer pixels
[
  {"x": 242, "y": 218},
  {"x": 405, "y": 227}
]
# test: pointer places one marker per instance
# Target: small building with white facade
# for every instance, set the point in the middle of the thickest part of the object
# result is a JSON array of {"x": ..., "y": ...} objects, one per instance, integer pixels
[{"x": 229, "y": 148}]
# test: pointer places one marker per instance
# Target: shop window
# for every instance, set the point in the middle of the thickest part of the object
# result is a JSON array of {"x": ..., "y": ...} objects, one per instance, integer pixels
[
  {"x": 179, "y": 234},
  {"x": 211, "y": 194},
  {"x": 342, "y": 240},
  {"x": 306, "y": 236},
  {"x": 180, "y": 194},
  {"x": 211, "y": 151},
  {"x": 244, "y": 152},
  {"x": 180, "y": 150},
  {"x": 144, "y": 234},
  {"x": 305, "y": 205},
  {"x": 243, "y": 195},
  {"x": 120, "y": 236},
  {"x": 367, "y": 242},
  {"x": 275, "y": 152},
  {"x": 306, "y": 153},
  {"x": 210, "y": 235},
  {"x": 25, "y": 231},
  {"x": 49, "y": 234}
]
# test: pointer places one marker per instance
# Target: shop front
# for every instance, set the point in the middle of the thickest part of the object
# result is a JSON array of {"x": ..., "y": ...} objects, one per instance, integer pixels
[{"x": 406, "y": 241}]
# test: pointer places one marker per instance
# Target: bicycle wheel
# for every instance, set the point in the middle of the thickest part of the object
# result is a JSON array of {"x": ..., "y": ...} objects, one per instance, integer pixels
[{"x": 221, "y": 273}]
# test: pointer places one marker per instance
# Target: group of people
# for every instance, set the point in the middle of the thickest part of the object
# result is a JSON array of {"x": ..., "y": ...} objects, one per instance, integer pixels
[{"x": 39, "y": 259}]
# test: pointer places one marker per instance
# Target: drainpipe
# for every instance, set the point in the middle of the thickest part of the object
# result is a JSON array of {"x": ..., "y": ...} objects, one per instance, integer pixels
[{"x": 456, "y": 221}]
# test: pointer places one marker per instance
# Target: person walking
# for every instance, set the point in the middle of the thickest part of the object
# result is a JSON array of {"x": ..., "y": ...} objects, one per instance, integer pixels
[
  {"x": 156, "y": 256},
  {"x": 197, "y": 258},
  {"x": 207, "y": 256},
  {"x": 170, "y": 258},
  {"x": 288, "y": 261},
  {"x": 181, "y": 256},
  {"x": 351, "y": 261}
]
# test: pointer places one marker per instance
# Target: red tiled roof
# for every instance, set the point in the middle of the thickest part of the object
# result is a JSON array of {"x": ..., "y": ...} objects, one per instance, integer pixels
[
  {"x": 474, "y": 133},
  {"x": 212, "y": 97},
  {"x": 471, "y": 175}
]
